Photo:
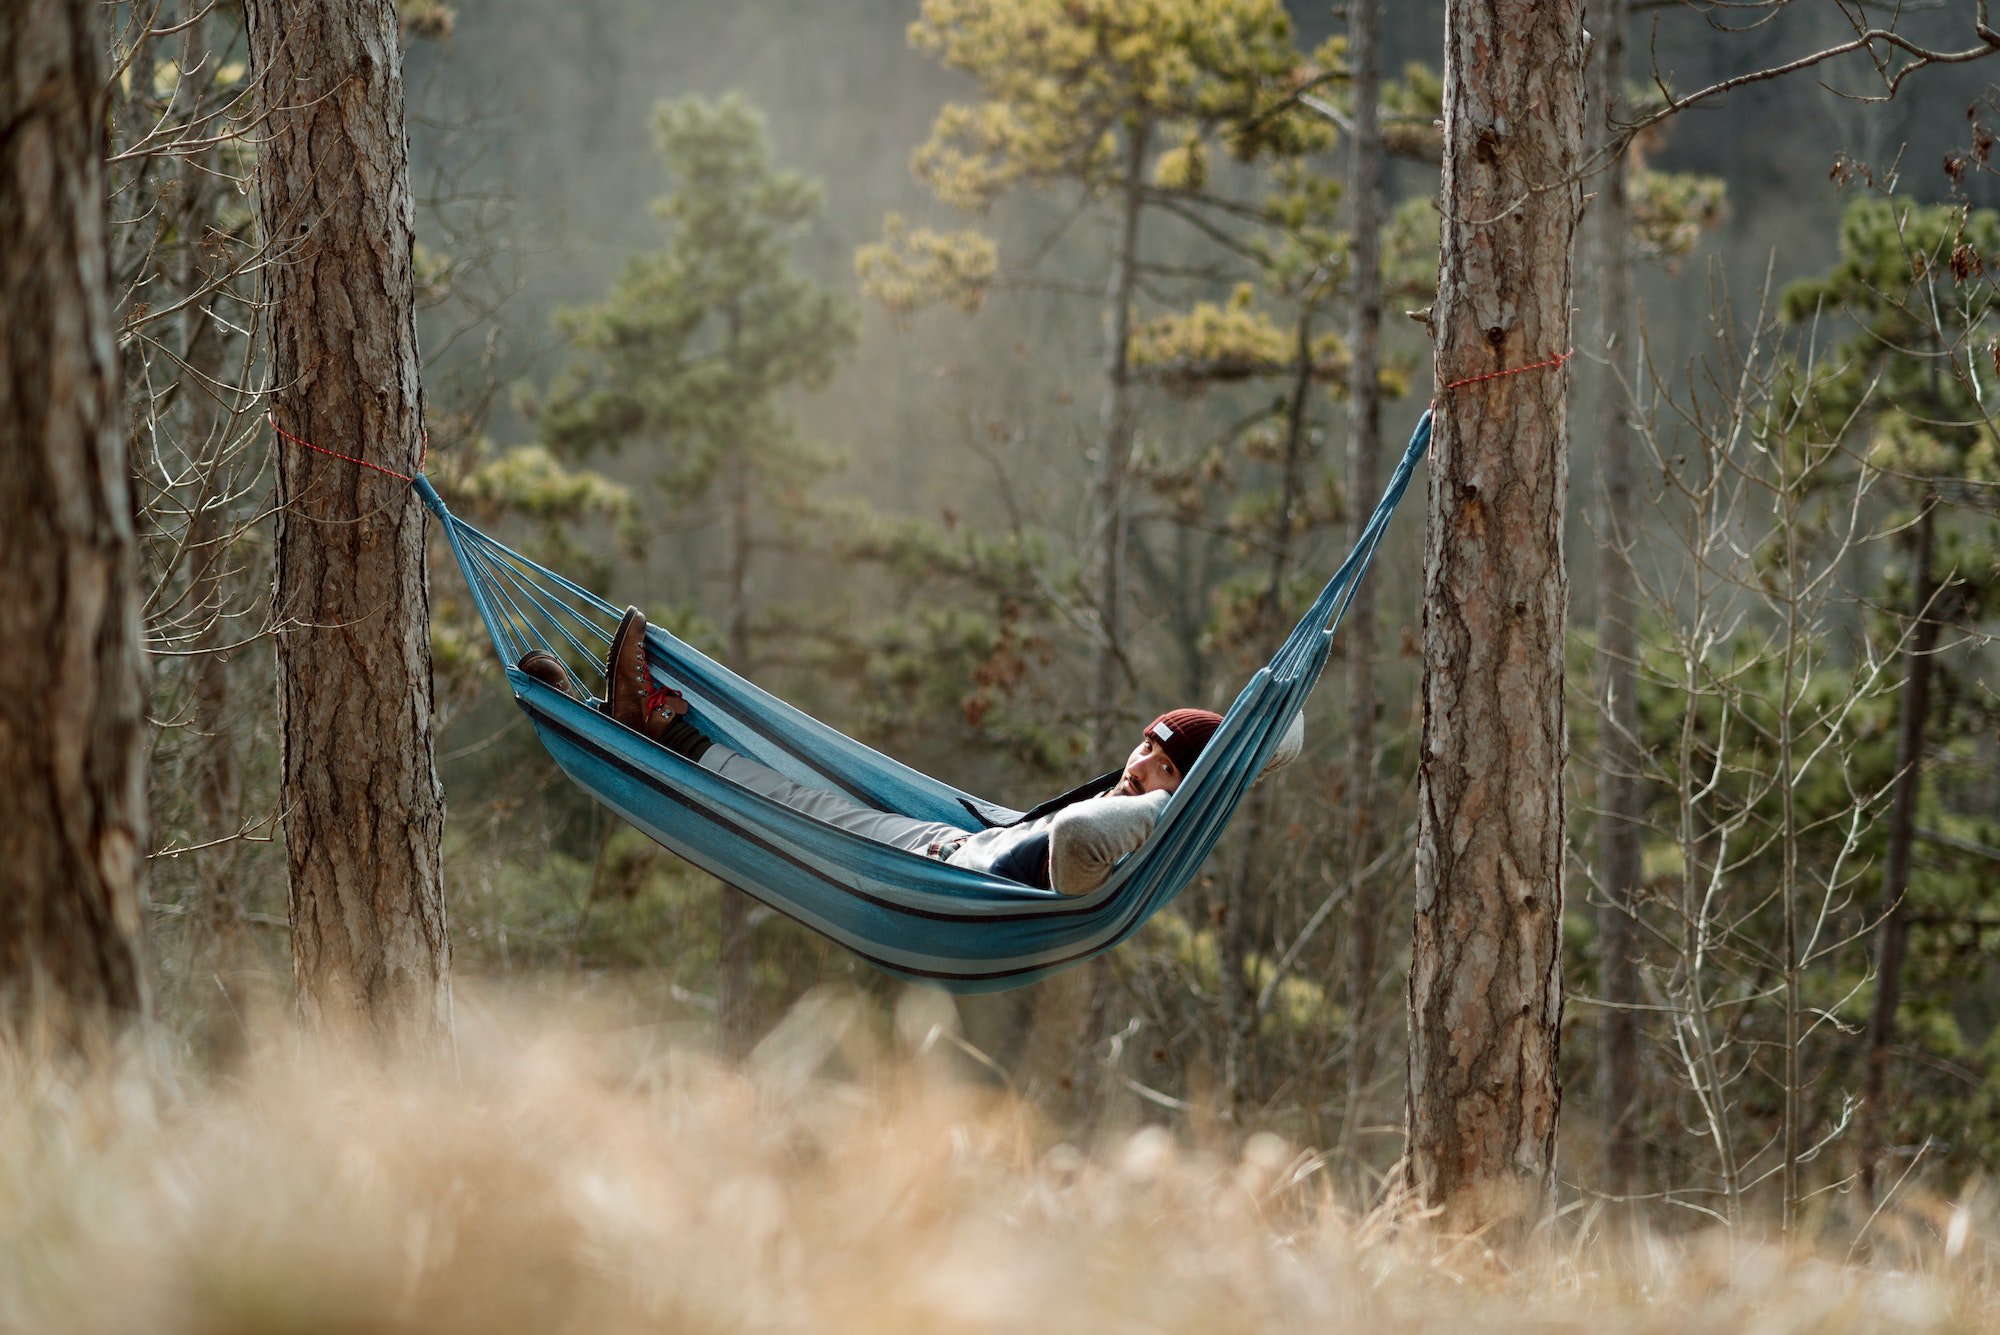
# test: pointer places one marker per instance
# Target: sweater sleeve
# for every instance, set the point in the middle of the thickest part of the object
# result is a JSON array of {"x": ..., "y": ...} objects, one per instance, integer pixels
[{"x": 1087, "y": 839}]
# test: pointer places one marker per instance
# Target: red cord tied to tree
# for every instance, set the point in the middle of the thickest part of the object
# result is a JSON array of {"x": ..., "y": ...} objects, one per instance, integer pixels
[
  {"x": 423, "y": 452},
  {"x": 1546, "y": 363}
]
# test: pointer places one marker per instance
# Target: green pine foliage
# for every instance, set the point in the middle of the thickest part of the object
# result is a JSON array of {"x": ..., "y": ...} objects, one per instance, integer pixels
[
  {"x": 1914, "y": 301},
  {"x": 1221, "y": 100},
  {"x": 688, "y": 358},
  {"x": 1215, "y": 342},
  {"x": 1410, "y": 253},
  {"x": 1065, "y": 85},
  {"x": 1913, "y": 284},
  {"x": 689, "y": 366},
  {"x": 1884, "y": 420},
  {"x": 1413, "y": 113},
  {"x": 916, "y": 266},
  {"x": 1202, "y": 129},
  {"x": 1062, "y": 77},
  {"x": 1671, "y": 211}
]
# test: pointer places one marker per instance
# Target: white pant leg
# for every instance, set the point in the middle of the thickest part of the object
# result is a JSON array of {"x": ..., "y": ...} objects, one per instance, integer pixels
[{"x": 884, "y": 827}]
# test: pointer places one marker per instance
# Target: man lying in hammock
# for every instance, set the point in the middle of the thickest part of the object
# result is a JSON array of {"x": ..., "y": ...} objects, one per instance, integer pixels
[{"x": 1071, "y": 850}]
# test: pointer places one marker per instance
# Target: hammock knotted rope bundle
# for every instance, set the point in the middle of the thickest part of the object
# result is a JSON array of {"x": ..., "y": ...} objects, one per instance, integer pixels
[{"x": 908, "y": 914}]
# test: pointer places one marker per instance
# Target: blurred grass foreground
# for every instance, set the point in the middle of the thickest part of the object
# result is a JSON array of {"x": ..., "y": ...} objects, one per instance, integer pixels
[{"x": 586, "y": 1174}]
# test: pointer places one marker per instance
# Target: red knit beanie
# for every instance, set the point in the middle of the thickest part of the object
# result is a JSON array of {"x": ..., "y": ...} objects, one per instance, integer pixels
[{"x": 1182, "y": 733}]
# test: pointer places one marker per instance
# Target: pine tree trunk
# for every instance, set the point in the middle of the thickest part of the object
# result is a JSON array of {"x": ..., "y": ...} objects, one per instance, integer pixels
[
  {"x": 1114, "y": 447},
  {"x": 1486, "y": 976},
  {"x": 1620, "y": 1078},
  {"x": 72, "y": 720},
  {"x": 363, "y": 812},
  {"x": 1893, "y": 914},
  {"x": 733, "y": 982},
  {"x": 1235, "y": 933},
  {"x": 1364, "y": 483}
]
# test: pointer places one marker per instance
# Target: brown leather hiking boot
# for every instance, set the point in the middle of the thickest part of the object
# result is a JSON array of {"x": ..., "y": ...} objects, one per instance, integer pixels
[
  {"x": 654, "y": 711},
  {"x": 546, "y": 668},
  {"x": 667, "y": 723},
  {"x": 625, "y": 677}
]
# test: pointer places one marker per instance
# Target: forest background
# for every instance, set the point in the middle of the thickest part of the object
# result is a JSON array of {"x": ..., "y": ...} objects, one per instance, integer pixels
[{"x": 921, "y": 574}]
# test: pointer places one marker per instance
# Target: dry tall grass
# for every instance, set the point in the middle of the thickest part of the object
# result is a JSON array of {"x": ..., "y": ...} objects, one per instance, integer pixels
[{"x": 591, "y": 1176}]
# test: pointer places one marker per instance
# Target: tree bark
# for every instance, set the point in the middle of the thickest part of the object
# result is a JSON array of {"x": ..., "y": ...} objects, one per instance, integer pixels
[
  {"x": 1235, "y": 933},
  {"x": 1364, "y": 483},
  {"x": 72, "y": 721},
  {"x": 1114, "y": 446},
  {"x": 1114, "y": 450},
  {"x": 1893, "y": 935},
  {"x": 733, "y": 959},
  {"x": 1620, "y": 1078},
  {"x": 1486, "y": 977},
  {"x": 363, "y": 812}
]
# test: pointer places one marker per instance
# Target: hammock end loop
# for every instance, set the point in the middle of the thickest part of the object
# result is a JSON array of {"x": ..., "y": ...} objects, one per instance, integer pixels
[{"x": 428, "y": 495}]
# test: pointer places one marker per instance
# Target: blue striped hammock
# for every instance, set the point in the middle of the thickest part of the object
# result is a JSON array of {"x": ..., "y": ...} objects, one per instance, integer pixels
[{"x": 910, "y": 915}]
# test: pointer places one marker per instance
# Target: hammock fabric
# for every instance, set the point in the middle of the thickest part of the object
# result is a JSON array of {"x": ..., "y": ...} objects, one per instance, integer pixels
[{"x": 910, "y": 915}]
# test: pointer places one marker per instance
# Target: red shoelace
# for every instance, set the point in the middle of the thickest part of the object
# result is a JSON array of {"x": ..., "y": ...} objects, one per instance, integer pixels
[{"x": 665, "y": 697}]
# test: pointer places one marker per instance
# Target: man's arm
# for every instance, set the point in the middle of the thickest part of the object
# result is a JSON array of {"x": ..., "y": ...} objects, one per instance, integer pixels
[{"x": 1087, "y": 839}]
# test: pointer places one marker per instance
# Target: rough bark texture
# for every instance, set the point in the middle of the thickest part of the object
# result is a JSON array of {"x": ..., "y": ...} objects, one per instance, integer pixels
[
  {"x": 1619, "y": 1077},
  {"x": 72, "y": 725},
  {"x": 1364, "y": 483},
  {"x": 1893, "y": 937},
  {"x": 1486, "y": 980},
  {"x": 363, "y": 812}
]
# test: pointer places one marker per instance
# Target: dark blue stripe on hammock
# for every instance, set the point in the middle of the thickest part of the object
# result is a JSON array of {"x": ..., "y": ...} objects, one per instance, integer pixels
[
  {"x": 725, "y": 831},
  {"x": 655, "y": 783}
]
